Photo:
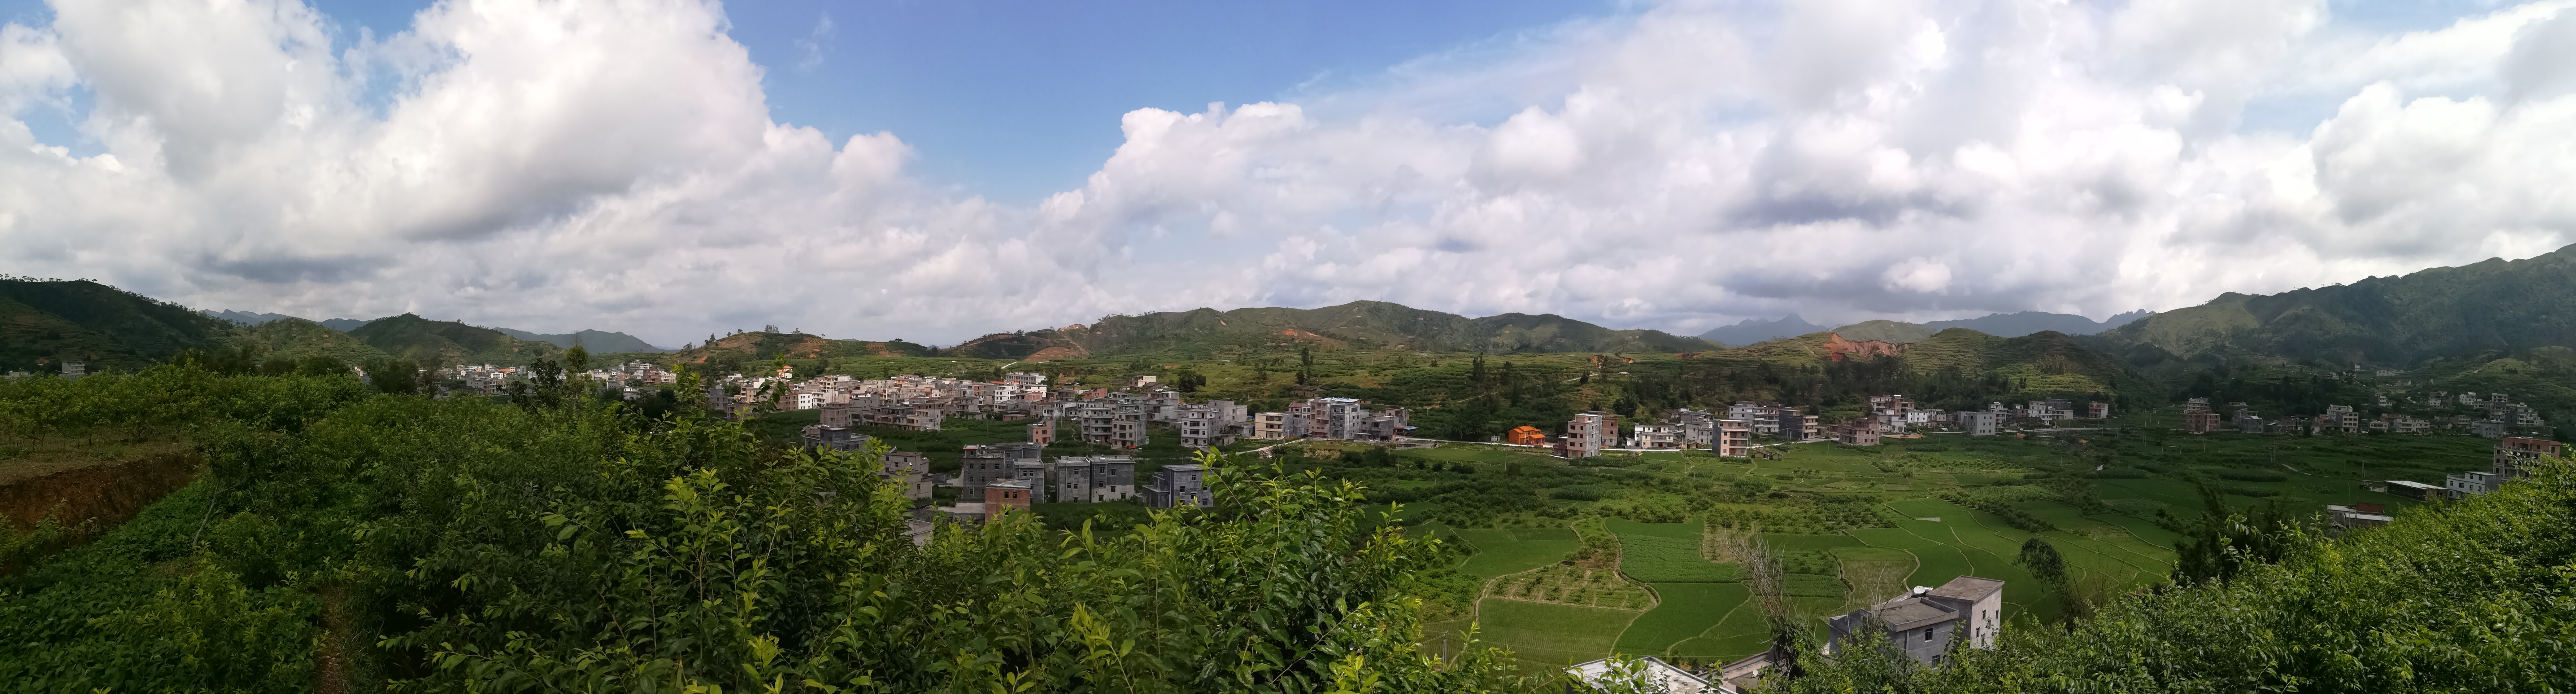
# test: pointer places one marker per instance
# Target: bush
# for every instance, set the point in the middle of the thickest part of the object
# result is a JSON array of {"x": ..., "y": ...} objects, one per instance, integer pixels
[{"x": 2253, "y": 475}]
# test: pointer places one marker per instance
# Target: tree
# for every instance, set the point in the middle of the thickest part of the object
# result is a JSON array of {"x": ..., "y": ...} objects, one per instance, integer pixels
[
  {"x": 2043, "y": 562},
  {"x": 577, "y": 359}
]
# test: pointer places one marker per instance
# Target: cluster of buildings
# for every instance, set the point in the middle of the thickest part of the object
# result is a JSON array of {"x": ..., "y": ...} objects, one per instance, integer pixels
[
  {"x": 71, "y": 369},
  {"x": 2515, "y": 457},
  {"x": 1731, "y": 433},
  {"x": 2503, "y": 416},
  {"x": 908, "y": 401}
]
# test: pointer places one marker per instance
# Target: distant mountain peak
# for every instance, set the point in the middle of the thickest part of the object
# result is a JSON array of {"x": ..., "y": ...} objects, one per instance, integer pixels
[{"x": 1752, "y": 330}]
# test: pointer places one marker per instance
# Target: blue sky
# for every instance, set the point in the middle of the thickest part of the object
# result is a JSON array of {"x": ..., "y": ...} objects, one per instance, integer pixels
[
  {"x": 664, "y": 167},
  {"x": 1017, "y": 100}
]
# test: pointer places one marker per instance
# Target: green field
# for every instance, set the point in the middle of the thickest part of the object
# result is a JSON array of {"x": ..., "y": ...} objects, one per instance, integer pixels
[
  {"x": 1686, "y": 611},
  {"x": 1857, "y": 513},
  {"x": 1548, "y": 633},
  {"x": 1653, "y": 559},
  {"x": 1503, "y": 552},
  {"x": 1781, "y": 542},
  {"x": 1682, "y": 531}
]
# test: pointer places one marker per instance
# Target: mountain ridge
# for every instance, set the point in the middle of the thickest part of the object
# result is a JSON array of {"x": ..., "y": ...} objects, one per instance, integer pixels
[
  {"x": 1358, "y": 324},
  {"x": 2399, "y": 321}
]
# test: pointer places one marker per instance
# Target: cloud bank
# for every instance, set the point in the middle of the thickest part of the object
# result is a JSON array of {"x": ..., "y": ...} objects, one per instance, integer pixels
[{"x": 613, "y": 164}]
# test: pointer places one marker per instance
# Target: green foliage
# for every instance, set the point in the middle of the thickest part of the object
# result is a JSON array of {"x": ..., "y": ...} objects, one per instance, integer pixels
[
  {"x": 2042, "y": 561},
  {"x": 2016, "y": 518},
  {"x": 565, "y": 545},
  {"x": 2252, "y": 475},
  {"x": 2456, "y": 597}
]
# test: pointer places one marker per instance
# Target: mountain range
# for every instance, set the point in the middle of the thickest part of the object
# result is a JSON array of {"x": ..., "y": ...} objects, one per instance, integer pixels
[
  {"x": 1359, "y": 324},
  {"x": 1998, "y": 324},
  {"x": 2387, "y": 322},
  {"x": 2459, "y": 316},
  {"x": 597, "y": 341}
]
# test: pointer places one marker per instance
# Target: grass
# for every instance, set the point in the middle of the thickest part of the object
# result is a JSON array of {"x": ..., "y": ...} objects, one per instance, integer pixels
[
  {"x": 1655, "y": 559},
  {"x": 1502, "y": 552},
  {"x": 1740, "y": 633},
  {"x": 1685, "y": 611},
  {"x": 1875, "y": 573},
  {"x": 1550, "y": 633},
  {"x": 1813, "y": 586}
]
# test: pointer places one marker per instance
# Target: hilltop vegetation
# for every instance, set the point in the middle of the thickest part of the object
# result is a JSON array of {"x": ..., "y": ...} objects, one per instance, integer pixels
[
  {"x": 1355, "y": 325},
  {"x": 2387, "y": 322},
  {"x": 43, "y": 322},
  {"x": 447, "y": 343}
]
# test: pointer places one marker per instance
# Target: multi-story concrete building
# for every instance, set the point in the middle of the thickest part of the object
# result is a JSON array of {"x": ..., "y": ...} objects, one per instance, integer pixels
[
  {"x": 2515, "y": 456},
  {"x": 1656, "y": 437},
  {"x": 2470, "y": 483},
  {"x": 823, "y": 437},
  {"x": 2097, "y": 410},
  {"x": 983, "y": 465},
  {"x": 1095, "y": 479},
  {"x": 1342, "y": 417},
  {"x": 1981, "y": 422},
  {"x": 1793, "y": 426},
  {"x": 1042, "y": 431},
  {"x": 1860, "y": 431},
  {"x": 1732, "y": 438},
  {"x": 1180, "y": 485},
  {"x": 1586, "y": 434},
  {"x": 1198, "y": 425},
  {"x": 909, "y": 468},
  {"x": 1270, "y": 426},
  {"x": 2340, "y": 419},
  {"x": 1924, "y": 621},
  {"x": 1385, "y": 425},
  {"x": 2197, "y": 417},
  {"x": 1127, "y": 424}
]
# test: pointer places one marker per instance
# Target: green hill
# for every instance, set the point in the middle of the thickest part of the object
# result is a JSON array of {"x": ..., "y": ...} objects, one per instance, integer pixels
[
  {"x": 297, "y": 338},
  {"x": 740, "y": 352},
  {"x": 1356, "y": 325},
  {"x": 597, "y": 341},
  {"x": 2387, "y": 322},
  {"x": 45, "y": 322},
  {"x": 426, "y": 341},
  {"x": 1956, "y": 367}
]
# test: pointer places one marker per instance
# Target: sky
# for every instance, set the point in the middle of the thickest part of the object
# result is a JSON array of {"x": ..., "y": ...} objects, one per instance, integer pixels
[{"x": 934, "y": 171}]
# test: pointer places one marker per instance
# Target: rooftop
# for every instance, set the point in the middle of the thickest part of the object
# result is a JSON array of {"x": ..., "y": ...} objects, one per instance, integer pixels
[{"x": 1969, "y": 588}]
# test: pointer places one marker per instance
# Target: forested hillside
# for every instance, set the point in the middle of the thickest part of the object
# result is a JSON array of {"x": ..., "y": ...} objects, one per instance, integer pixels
[
  {"x": 449, "y": 343},
  {"x": 45, "y": 322},
  {"x": 2380, "y": 322},
  {"x": 1355, "y": 325}
]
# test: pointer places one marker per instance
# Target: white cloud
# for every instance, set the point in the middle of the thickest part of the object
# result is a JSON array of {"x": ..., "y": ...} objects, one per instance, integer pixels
[{"x": 554, "y": 164}]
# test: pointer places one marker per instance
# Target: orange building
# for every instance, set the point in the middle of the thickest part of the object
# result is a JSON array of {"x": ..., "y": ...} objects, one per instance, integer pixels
[
  {"x": 1006, "y": 494},
  {"x": 1525, "y": 435}
]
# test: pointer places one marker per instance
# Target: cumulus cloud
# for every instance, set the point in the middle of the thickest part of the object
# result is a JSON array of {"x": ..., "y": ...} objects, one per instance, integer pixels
[{"x": 613, "y": 163}]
